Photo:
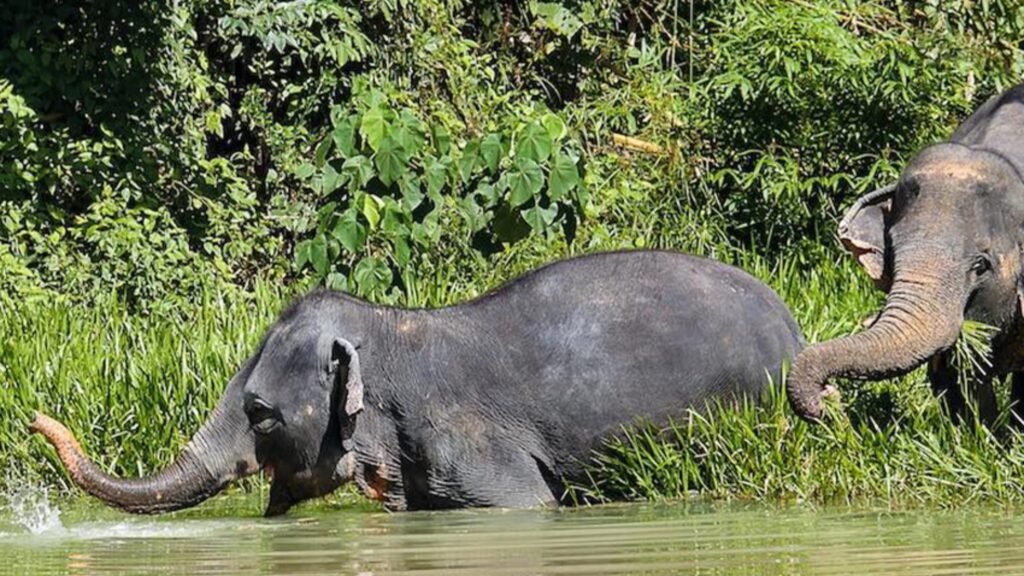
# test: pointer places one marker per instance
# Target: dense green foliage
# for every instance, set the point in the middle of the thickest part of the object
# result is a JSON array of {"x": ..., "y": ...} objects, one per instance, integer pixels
[
  {"x": 156, "y": 150},
  {"x": 172, "y": 172}
]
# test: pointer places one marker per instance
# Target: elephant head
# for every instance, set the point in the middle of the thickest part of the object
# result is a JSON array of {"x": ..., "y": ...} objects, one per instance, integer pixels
[
  {"x": 290, "y": 411},
  {"x": 946, "y": 244}
]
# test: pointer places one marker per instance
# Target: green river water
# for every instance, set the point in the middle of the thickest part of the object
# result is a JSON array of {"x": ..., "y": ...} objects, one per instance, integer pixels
[{"x": 226, "y": 536}]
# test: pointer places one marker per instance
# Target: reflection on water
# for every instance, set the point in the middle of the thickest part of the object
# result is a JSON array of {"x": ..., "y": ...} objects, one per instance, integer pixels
[{"x": 636, "y": 539}]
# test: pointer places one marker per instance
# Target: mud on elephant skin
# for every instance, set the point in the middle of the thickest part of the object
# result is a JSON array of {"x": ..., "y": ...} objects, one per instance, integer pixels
[
  {"x": 494, "y": 402},
  {"x": 946, "y": 243}
]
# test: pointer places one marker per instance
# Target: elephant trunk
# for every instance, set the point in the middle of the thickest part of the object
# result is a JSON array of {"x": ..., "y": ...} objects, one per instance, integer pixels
[
  {"x": 222, "y": 450},
  {"x": 922, "y": 316}
]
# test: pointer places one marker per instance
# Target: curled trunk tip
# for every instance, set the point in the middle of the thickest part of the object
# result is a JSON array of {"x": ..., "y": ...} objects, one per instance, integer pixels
[
  {"x": 68, "y": 449},
  {"x": 804, "y": 386}
]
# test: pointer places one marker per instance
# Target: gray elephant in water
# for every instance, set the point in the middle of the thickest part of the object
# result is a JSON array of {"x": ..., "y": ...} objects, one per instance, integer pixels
[
  {"x": 946, "y": 243},
  {"x": 495, "y": 402}
]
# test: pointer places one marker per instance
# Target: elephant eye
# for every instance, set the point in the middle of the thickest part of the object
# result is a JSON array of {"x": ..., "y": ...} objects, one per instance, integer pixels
[
  {"x": 981, "y": 265},
  {"x": 263, "y": 418}
]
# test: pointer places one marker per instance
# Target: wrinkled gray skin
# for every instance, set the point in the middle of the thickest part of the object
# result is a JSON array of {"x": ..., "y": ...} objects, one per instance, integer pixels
[
  {"x": 946, "y": 243},
  {"x": 490, "y": 403}
]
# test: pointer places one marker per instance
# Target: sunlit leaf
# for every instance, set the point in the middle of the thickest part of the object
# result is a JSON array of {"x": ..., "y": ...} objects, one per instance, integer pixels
[
  {"x": 372, "y": 275},
  {"x": 564, "y": 176},
  {"x": 349, "y": 231},
  {"x": 492, "y": 150},
  {"x": 374, "y": 127},
  {"x": 524, "y": 180},
  {"x": 534, "y": 143}
]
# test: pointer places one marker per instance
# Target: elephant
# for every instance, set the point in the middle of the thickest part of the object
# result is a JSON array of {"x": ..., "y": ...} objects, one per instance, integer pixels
[
  {"x": 499, "y": 401},
  {"x": 945, "y": 242}
]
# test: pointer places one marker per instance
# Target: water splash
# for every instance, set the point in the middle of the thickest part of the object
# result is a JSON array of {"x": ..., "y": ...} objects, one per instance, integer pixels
[{"x": 30, "y": 507}]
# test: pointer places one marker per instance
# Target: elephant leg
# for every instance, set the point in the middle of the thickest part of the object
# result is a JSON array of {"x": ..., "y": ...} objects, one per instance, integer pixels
[
  {"x": 470, "y": 465},
  {"x": 1017, "y": 400},
  {"x": 942, "y": 374},
  {"x": 982, "y": 395},
  {"x": 515, "y": 480}
]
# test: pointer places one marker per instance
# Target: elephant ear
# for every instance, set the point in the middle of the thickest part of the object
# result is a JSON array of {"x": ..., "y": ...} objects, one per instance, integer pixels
[
  {"x": 862, "y": 232},
  {"x": 344, "y": 356}
]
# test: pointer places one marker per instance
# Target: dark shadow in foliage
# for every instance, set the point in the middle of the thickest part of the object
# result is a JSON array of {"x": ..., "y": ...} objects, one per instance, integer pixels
[
  {"x": 507, "y": 25},
  {"x": 87, "y": 67},
  {"x": 870, "y": 407},
  {"x": 555, "y": 61}
]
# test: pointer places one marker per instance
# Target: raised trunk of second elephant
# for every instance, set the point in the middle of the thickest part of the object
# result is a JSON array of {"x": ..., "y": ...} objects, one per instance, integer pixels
[{"x": 922, "y": 316}]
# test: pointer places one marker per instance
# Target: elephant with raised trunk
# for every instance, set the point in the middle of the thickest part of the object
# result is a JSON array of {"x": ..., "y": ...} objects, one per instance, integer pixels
[
  {"x": 494, "y": 402},
  {"x": 946, "y": 243}
]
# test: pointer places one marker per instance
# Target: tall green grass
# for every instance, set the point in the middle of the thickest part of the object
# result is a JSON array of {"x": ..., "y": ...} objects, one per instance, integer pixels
[
  {"x": 134, "y": 388},
  {"x": 764, "y": 453},
  {"x": 888, "y": 442}
]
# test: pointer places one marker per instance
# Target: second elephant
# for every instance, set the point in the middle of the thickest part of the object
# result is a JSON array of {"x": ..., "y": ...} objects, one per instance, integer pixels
[{"x": 946, "y": 242}]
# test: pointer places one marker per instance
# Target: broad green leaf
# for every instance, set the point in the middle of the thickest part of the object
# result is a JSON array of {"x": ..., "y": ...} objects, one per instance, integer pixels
[
  {"x": 525, "y": 180},
  {"x": 555, "y": 126},
  {"x": 491, "y": 150},
  {"x": 318, "y": 254},
  {"x": 431, "y": 225},
  {"x": 473, "y": 213},
  {"x": 436, "y": 175},
  {"x": 336, "y": 281},
  {"x": 582, "y": 194},
  {"x": 419, "y": 234},
  {"x": 409, "y": 133},
  {"x": 329, "y": 180},
  {"x": 540, "y": 218},
  {"x": 374, "y": 127},
  {"x": 534, "y": 143},
  {"x": 359, "y": 170},
  {"x": 333, "y": 249},
  {"x": 325, "y": 214},
  {"x": 442, "y": 139},
  {"x": 392, "y": 161},
  {"x": 412, "y": 194},
  {"x": 350, "y": 231},
  {"x": 402, "y": 251},
  {"x": 557, "y": 18},
  {"x": 344, "y": 136},
  {"x": 564, "y": 176},
  {"x": 488, "y": 193},
  {"x": 305, "y": 170},
  {"x": 393, "y": 222},
  {"x": 371, "y": 210},
  {"x": 372, "y": 275},
  {"x": 469, "y": 160},
  {"x": 301, "y": 254}
]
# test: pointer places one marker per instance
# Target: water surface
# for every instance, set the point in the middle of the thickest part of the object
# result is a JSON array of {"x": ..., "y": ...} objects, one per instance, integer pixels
[{"x": 227, "y": 537}]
